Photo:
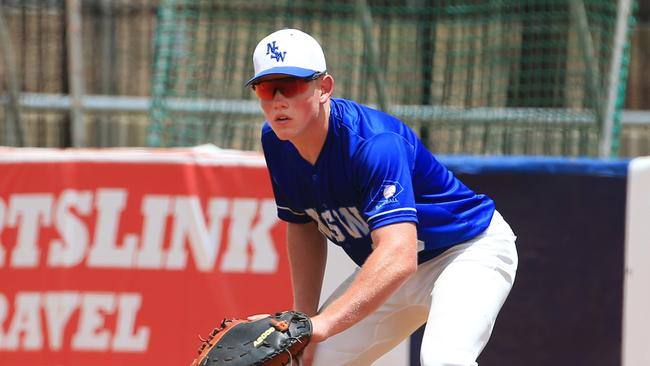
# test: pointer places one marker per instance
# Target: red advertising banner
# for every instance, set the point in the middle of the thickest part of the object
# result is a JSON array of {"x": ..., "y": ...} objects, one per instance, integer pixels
[{"x": 124, "y": 256}]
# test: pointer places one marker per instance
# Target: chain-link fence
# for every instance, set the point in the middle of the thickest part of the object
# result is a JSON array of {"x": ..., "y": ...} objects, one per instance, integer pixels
[
  {"x": 502, "y": 77},
  {"x": 117, "y": 52}
]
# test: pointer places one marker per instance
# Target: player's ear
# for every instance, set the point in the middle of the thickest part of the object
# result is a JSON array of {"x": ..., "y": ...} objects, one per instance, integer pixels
[{"x": 327, "y": 87}]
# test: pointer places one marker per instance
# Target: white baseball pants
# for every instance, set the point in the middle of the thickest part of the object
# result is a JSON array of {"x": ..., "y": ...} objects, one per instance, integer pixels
[{"x": 458, "y": 294}]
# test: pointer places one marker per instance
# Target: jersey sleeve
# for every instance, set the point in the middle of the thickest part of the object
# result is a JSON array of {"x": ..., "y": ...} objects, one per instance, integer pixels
[{"x": 384, "y": 166}]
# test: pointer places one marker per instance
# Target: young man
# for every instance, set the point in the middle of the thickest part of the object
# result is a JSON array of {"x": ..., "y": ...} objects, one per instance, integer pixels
[{"x": 429, "y": 249}]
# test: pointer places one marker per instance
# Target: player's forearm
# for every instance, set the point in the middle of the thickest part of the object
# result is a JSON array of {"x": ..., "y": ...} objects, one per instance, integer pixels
[
  {"x": 385, "y": 270},
  {"x": 307, "y": 255},
  {"x": 375, "y": 282}
]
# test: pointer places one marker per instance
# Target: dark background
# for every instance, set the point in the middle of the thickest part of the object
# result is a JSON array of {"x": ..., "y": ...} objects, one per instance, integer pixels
[{"x": 566, "y": 305}]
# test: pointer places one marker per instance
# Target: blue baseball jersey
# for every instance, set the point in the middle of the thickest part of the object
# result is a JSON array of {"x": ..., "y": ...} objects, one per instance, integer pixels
[{"x": 371, "y": 172}]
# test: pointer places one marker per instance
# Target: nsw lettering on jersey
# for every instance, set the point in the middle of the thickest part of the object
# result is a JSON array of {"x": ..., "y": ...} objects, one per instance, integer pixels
[{"x": 341, "y": 224}]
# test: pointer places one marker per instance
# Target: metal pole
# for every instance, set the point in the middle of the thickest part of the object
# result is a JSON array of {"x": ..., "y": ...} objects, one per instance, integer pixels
[
  {"x": 588, "y": 55},
  {"x": 373, "y": 49},
  {"x": 75, "y": 70},
  {"x": 106, "y": 66},
  {"x": 620, "y": 39},
  {"x": 13, "y": 103}
]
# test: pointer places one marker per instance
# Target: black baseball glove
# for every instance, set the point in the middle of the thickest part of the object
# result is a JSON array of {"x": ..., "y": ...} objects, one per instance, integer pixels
[{"x": 270, "y": 341}]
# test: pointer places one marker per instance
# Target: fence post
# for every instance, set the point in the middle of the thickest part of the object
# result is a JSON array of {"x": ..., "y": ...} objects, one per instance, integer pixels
[
  {"x": 13, "y": 94},
  {"x": 373, "y": 50},
  {"x": 75, "y": 71},
  {"x": 613, "y": 90}
]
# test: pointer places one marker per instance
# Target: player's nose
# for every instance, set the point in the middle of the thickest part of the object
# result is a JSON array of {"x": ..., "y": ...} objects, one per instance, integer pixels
[{"x": 279, "y": 100}]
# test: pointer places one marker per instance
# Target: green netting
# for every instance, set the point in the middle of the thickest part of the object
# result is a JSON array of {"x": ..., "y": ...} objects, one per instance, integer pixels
[{"x": 473, "y": 77}]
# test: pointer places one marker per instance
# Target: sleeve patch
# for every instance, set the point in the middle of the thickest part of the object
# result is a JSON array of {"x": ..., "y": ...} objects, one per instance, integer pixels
[{"x": 387, "y": 194}]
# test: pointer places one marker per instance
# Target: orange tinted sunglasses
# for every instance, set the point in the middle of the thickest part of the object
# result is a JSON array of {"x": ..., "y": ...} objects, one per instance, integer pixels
[{"x": 289, "y": 87}]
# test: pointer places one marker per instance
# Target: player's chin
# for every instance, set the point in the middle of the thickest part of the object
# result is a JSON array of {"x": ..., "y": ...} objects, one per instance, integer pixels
[{"x": 283, "y": 133}]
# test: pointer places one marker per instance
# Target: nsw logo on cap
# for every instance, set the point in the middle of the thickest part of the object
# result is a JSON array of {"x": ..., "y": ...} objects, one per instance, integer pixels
[
  {"x": 288, "y": 52},
  {"x": 274, "y": 51}
]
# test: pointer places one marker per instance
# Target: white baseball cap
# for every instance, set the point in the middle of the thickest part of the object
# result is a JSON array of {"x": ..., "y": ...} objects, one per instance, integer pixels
[{"x": 290, "y": 52}]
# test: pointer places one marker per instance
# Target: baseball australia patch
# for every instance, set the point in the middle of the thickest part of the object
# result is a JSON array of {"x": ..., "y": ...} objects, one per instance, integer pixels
[{"x": 387, "y": 194}]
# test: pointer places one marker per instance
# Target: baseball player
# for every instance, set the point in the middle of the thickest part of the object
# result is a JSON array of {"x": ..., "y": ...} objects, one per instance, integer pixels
[{"x": 428, "y": 248}]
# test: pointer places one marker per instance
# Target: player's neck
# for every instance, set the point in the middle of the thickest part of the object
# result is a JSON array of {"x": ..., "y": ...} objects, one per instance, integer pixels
[{"x": 311, "y": 143}]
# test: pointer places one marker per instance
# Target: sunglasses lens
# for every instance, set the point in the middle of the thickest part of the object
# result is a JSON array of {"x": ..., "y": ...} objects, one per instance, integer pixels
[
  {"x": 263, "y": 91},
  {"x": 288, "y": 87}
]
